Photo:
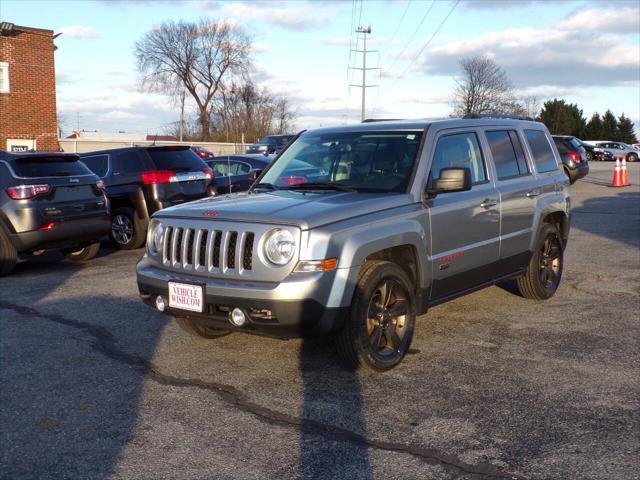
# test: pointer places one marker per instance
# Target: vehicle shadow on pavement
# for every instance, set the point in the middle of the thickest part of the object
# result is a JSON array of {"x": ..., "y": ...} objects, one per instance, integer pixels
[
  {"x": 333, "y": 416},
  {"x": 611, "y": 217},
  {"x": 70, "y": 387}
]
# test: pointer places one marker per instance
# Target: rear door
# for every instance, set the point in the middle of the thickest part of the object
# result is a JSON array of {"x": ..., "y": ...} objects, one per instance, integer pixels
[
  {"x": 465, "y": 226},
  {"x": 517, "y": 189},
  {"x": 192, "y": 174},
  {"x": 72, "y": 191}
]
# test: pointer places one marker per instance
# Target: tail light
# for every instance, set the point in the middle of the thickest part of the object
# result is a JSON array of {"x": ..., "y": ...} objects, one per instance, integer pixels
[
  {"x": 209, "y": 173},
  {"x": 575, "y": 156},
  {"x": 292, "y": 180},
  {"x": 47, "y": 226},
  {"x": 25, "y": 192},
  {"x": 158, "y": 177}
]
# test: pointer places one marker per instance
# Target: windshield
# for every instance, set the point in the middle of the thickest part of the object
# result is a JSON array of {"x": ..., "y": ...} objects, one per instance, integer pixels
[
  {"x": 361, "y": 161},
  {"x": 267, "y": 140}
]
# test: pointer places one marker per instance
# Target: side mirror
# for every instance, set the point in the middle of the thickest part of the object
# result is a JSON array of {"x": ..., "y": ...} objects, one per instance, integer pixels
[
  {"x": 254, "y": 174},
  {"x": 451, "y": 180}
]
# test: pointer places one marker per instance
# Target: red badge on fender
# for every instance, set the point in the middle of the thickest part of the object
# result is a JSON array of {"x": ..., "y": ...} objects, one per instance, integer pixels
[{"x": 210, "y": 213}]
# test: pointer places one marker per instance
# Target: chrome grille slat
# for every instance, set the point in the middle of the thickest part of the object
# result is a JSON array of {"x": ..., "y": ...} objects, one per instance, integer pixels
[
  {"x": 184, "y": 247},
  {"x": 174, "y": 246}
]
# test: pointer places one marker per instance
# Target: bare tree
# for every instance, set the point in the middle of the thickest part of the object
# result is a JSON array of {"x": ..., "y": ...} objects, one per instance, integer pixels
[
  {"x": 283, "y": 116},
  {"x": 484, "y": 88},
  {"x": 531, "y": 106},
  {"x": 197, "y": 56}
]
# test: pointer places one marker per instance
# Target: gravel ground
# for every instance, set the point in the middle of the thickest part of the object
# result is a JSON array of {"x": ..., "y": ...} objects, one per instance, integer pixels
[{"x": 96, "y": 385}]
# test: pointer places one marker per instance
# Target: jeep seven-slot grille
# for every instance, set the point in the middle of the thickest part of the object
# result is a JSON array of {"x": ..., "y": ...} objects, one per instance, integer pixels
[{"x": 208, "y": 250}]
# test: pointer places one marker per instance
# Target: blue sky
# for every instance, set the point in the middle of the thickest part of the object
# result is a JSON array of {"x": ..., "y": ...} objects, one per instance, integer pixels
[{"x": 587, "y": 52}]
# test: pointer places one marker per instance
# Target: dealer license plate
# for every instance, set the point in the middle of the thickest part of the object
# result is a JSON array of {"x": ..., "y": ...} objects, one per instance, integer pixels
[{"x": 186, "y": 297}]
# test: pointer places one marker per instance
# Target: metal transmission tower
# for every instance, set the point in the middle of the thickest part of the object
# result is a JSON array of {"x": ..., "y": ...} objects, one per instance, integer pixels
[{"x": 364, "y": 51}]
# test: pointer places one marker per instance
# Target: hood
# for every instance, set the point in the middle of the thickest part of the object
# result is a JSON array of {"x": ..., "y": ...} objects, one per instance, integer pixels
[{"x": 304, "y": 209}]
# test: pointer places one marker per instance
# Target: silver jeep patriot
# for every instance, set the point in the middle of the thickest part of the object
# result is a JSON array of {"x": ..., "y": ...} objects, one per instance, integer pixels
[{"x": 353, "y": 231}]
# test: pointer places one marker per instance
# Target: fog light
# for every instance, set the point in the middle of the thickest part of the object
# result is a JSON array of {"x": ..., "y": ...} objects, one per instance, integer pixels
[
  {"x": 237, "y": 317},
  {"x": 160, "y": 303}
]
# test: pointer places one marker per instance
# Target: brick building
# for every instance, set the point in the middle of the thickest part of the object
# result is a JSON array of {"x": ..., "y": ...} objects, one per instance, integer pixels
[{"x": 27, "y": 89}]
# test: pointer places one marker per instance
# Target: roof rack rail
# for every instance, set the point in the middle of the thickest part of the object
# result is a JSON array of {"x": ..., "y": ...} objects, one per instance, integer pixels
[
  {"x": 498, "y": 115},
  {"x": 371, "y": 120}
]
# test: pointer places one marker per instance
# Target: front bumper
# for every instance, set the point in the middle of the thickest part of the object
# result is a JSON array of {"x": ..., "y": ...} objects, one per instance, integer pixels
[
  {"x": 298, "y": 306},
  {"x": 67, "y": 234}
]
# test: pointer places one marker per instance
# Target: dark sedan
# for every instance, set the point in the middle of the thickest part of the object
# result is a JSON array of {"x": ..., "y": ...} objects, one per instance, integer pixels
[{"x": 233, "y": 172}]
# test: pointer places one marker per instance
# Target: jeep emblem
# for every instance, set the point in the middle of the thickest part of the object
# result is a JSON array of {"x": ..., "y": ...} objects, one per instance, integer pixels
[{"x": 74, "y": 180}]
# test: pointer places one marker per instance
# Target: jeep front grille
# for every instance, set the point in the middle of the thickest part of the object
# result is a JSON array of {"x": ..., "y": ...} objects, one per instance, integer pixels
[{"x": 208, "y": 250}]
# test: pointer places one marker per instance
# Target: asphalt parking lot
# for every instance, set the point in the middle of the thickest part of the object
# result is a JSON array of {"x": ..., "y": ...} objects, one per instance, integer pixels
[{"x": 97, "y": 385}]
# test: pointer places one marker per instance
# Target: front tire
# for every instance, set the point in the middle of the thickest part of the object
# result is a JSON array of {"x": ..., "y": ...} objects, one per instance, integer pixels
[
  {"x": 197, "y": 330},
  {"x": 632, "y": 157},
  {"x": 379, "y": 330},
  {"x": 127, "y": 231},
  {"x": 8, "y": 255},
  {"x": 82, "y": 254},
  {"x": 544, "y": 272}
]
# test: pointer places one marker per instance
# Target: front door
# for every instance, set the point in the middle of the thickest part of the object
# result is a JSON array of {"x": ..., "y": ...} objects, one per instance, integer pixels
[{"x": 465, "y": 226}]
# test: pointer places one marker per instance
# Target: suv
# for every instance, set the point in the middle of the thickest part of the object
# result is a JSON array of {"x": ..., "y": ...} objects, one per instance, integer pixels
[
  {"x": 142, "y": 180},
  {"x": 573, "y": 155},
  {"x": 385, "y": 220},
  {"x": 270, "y": 144},
  {"x": 49, "y": 201}
]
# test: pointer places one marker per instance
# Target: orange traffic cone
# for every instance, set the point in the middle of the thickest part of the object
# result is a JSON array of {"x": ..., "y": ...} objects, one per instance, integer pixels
[
  {"x": 617, "y": 175},
  {"x": 623, "y": 173}
]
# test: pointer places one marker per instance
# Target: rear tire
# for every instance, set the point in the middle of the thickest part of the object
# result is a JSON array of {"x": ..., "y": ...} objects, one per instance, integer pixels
[
  {"x": 632, "y": 157},
  {"x": 197, "y": 330},
  {"x": 589, "y": 156},
  {"x": 82, "y": 254},
  {"x": 379, "y": 330},
  {"x": 544, "y": 272},
  {"x": 8, "y": 255},
  {"x": 127, "y": 231}
]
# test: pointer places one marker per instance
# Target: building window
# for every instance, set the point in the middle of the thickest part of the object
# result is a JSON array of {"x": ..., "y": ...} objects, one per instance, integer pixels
[{"x": 4, "y": 77}]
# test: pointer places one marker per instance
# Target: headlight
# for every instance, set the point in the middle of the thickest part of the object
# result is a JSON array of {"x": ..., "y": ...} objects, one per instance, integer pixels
[
  {"x": 279, "y": 246},
  {"x": 155, "y": 237}
]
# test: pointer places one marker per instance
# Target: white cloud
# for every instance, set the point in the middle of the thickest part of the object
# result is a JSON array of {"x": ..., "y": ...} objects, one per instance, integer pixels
[
  {"x": 79, "y": 31},
  {"x": 287, "y": 15},
  {"x": 624, "y": 20}
]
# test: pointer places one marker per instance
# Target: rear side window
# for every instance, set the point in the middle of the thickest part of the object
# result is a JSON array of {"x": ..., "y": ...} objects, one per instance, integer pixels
[
  {"x": 98, "y": 164},
  {"x": 37, "y": 168},
  {"x": 507, "y": 154},
  {"x": 541, "y": 149},
  {"x": 459, "y": 151},
  {"x": 224, "y": 169},
  {"x": 182, "y": 160}
]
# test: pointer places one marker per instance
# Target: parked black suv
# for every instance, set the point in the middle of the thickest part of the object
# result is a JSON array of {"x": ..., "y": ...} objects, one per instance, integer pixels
[
  {"x": 142, "y": 180},
  {"x": 573, "y": 155},
  {"x": 270, "y": 144},
  {"x": 49, "y": 201}
]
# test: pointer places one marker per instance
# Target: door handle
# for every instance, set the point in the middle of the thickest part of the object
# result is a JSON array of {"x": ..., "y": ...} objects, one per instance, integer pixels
[
  {"x": 488, "y": 202},
  {"x": 533, "y": 193}
]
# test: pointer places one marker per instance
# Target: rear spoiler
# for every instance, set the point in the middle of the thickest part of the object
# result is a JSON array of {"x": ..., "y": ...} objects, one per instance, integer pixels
[{"x": 43, "y": 157}]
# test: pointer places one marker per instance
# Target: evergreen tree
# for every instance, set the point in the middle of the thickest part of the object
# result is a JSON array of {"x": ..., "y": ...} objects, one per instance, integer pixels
[
  {"x": 594, "y": 128},
  {"x": 625, "y": 130},
  {"x": 562, "y": 118},
  {"x": 609, "y": 126}
]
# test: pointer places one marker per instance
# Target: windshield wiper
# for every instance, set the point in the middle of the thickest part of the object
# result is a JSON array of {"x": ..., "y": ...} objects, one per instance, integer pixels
[
  {"x": 268, "y": 186},
  {"x": 321, "y": 186}
]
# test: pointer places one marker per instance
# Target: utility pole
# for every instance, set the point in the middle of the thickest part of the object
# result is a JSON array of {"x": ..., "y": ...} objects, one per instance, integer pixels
[
  {"x": 182, "y": 114},
  {"x": 364, "y": 51}
]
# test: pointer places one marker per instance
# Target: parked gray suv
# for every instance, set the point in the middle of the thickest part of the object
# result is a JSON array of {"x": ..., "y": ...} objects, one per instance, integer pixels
[{"x": 356, "y": 230}]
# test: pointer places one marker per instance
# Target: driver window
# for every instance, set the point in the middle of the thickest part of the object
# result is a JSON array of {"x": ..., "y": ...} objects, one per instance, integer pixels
[{"x": 460, "y": 150}]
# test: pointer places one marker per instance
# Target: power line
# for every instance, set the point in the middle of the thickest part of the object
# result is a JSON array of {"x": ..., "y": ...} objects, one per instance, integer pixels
[
  {"x": 426, "y": 44},
  {"x": 406, "y": 9},
  {"x": 413, "y": 35}
]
